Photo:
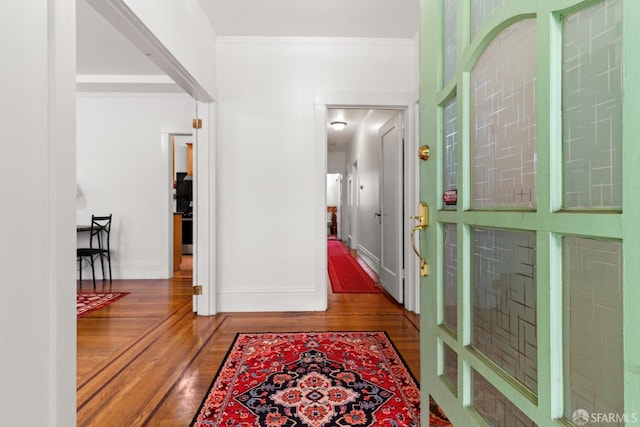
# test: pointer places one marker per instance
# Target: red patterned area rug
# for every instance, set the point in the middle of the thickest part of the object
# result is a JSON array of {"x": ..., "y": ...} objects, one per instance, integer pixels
[
  {"x": 345, "y": 274},
  {"x": 86, "y": 302},
  {"x": 314, "y": 379}
]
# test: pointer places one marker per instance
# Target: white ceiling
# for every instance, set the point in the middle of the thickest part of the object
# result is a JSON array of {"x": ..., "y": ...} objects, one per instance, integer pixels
[
  {"x": 315, "y": 18},
  {"x": 102, "y": 50},
  {"x": 338, "y": 140}
]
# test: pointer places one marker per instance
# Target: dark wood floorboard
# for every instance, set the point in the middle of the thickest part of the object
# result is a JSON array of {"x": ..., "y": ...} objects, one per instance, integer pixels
[{"x": 148, "y": 360}]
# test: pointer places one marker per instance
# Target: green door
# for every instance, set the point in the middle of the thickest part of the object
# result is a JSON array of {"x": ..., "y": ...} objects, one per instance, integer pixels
[{"x": 530, "y": 314}]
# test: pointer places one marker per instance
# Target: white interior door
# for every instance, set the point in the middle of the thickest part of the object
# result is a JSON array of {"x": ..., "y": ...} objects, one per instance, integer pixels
[
  {"x": 204, "y": 212},
  {"x": 391, "y": 198}
]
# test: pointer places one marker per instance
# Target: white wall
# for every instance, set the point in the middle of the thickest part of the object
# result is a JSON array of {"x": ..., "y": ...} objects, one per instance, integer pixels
[
  {"x": 333, "y": 190},
  {"x": 336, "y": 162},
  {"x": 37, "y": 165},
  {"x": 123, "y": 168},
  {"x": 267, "y": 162},
  {"x": 37, "y": 120}
]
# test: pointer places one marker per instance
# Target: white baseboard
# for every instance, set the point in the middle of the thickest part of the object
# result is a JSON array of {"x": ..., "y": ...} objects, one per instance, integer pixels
[
  {"x": 372, "y": 261},
  {"x": 273, "y": 300},
  {"x": 128, "y": 271}
]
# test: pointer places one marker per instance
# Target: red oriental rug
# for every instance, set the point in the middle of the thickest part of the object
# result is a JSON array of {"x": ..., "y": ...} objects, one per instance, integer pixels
[
  {"x": 86, "y": 302},
  {"x": 321, "y": 379},
  {"x": 345, "y": 274}
]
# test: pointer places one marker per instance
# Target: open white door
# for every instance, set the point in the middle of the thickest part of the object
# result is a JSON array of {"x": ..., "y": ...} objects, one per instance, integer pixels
[
  {"x": 391, "y": 198},
  {"x": 204, "y": 301}
]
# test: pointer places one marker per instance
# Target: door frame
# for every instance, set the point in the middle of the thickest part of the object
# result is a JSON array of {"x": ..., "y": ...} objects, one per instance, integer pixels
[
  {"x": 407, "y": 101},
  {"x": 167, "y": 141},
  {"x": 118, "y": 14},
  {"x": 204, "y": 212},
  {"x": 352, "y": 173}
]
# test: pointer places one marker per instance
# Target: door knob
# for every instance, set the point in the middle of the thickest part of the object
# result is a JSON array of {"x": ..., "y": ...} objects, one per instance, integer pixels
[{"x": 423, "y": 222}]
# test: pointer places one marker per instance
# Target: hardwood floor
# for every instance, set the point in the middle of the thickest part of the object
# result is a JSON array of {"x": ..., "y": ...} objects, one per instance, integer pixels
[
  {"x": 148, "y": 360},
  {"x": 186, "y": 268}
]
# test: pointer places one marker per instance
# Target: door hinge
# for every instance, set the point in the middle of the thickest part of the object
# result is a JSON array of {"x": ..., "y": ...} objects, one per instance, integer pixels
[
  {"x": 197, "y": 290},
  {"x": 197, "y": 123}
]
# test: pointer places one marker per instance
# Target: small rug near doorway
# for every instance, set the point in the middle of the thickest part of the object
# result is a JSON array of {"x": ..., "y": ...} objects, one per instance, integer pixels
[
  {"x": 317, "y": 379},
  {"x": 345, "y": 274},
  {"x": 86, "y": 302}
]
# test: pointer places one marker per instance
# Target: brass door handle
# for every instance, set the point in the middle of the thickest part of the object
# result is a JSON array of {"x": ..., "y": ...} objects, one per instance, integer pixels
[{"x": 423, "y": 222}]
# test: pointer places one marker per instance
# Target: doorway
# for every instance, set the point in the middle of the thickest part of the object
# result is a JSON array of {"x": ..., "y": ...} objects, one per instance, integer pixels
[
  {"x": 356, "y": 152},
  {"x": 182, "y": 202},
  {"x": 334, "y": 206}
]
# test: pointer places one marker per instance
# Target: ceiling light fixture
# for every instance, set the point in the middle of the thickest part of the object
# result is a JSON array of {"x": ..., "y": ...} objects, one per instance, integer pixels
[{"x": 338, "y": 125}]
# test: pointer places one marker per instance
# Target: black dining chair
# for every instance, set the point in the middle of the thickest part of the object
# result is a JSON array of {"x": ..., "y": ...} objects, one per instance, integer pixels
[{"x": 99, "y": 247}]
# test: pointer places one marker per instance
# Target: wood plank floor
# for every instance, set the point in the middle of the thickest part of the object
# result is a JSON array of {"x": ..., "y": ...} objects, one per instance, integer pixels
[{"x": 148, "y": 360}]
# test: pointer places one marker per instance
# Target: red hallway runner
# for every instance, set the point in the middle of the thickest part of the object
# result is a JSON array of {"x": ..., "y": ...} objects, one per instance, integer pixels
[{"x": 345, "y": 274}]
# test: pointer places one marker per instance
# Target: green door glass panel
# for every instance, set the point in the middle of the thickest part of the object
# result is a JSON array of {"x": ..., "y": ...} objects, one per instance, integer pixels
[
  {"x": 450, "y": 366},
  {"x": 450, "y": 39},
  {"x": 482, "y": 10},
  {"x": 450, "y": 258},
  {"x": 504, "y": 301},
  {"x": 503, "y": 120},
  {"x": 592, "y": 107},
  {"x": 450, "y": 167},
  {"x": 592, "y": 318},
  {"x": 494, "y": 407}
]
